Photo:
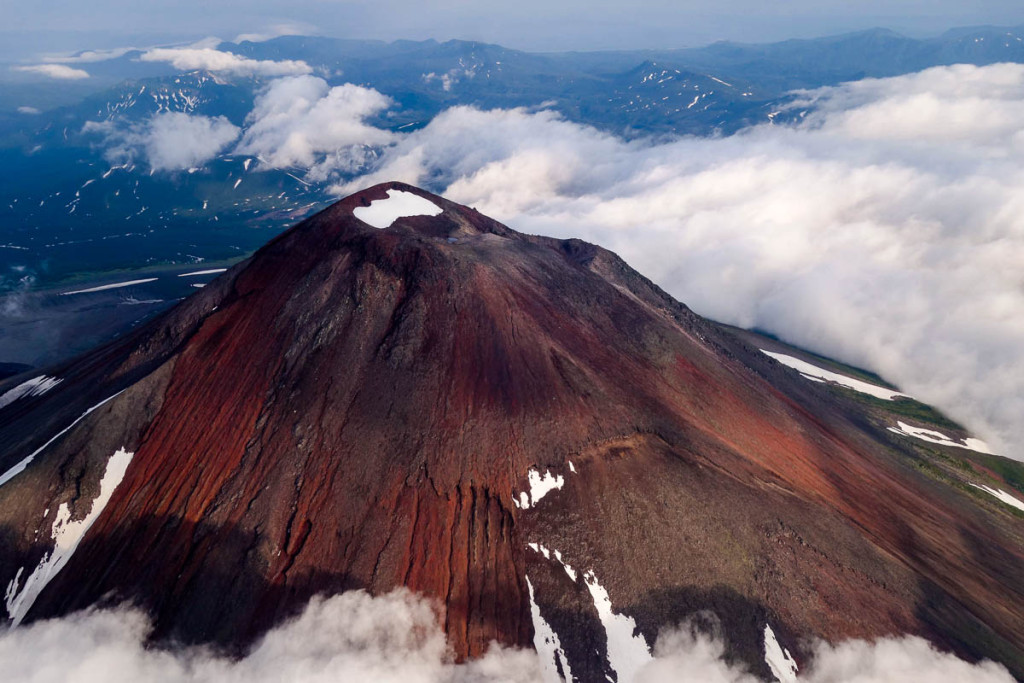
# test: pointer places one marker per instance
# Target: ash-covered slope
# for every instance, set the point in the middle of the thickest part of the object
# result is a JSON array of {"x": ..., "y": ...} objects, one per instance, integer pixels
[{"x": 522, "y": 428}]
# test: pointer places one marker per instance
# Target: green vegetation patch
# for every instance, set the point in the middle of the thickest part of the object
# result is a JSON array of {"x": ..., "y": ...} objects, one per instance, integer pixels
[
  {"x": 1011, "y": 471},
  {"x": 908, "y": 408}
]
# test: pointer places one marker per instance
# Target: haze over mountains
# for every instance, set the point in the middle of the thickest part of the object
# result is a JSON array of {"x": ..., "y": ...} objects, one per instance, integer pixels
[
  {"x": 862, "y": 231},
  {"x": 119, "y": 110}
]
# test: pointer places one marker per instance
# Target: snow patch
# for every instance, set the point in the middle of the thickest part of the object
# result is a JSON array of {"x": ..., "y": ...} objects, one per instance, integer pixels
[
  {"x": 628, "y": 651},
  {"x": 566, "y": 566},
  {"x": 37, "y": 386},
  {"x": 540, "y": 486},
  {"x": 1001, "y": 495},
  {"x": 538, "y": 548},
  {"x": 381, "y": 213},
  {"x": 932, "y": 436},
  {"x": 211, "y": 271},
  {"x": 545, "y": 641},
  {"x": 813, "y": 372},
  {"x": 779, "y": 660},
  {"x": 20, "y": 467},
  {"x": 67, "y": 534},
  {"x": 132, "y": 301},
  {"x": 115, "y": 285}
]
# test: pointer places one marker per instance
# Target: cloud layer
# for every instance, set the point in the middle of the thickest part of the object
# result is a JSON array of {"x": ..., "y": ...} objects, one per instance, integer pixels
[
  {"x": 297, "y": 122},
  {"x": 351, "y": 637},
  {"x": 885, "y": 229},
  {"x": 169, "y": 141},
  {"x": 395, "y": 638},
  {"x": 303, "y": 122},
  {"x": 687, "y": 654},
  {"x": 210, "y": 59},
  {"x": 58, "y": 71}
]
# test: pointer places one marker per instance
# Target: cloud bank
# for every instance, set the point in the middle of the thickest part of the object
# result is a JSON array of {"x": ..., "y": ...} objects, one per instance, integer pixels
[
  {"x": 169, "y": 141},
  {"x": 396, "y": 638},
  {"x": 90, "y": 56},
  {"x": 350, "y": 637},
  {"x": 687, "y": 654},
  {"x": 58, "y": 71},
  {"x": 885, "y": 229},
  {"x": 303, "y": 122},
  {"x": 896, "y": 660},
  {"x": 210, "y": 59}
]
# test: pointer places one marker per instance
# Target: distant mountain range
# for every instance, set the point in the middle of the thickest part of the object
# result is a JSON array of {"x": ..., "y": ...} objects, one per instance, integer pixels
[{"x": 66, "y": 210}]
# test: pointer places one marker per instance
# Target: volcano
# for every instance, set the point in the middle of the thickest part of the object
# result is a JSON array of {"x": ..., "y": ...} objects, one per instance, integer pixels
[{"x": 402, "y": 392}]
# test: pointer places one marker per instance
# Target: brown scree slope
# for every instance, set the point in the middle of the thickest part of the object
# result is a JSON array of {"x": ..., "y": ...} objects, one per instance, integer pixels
[{"x": 359, "y": 408}]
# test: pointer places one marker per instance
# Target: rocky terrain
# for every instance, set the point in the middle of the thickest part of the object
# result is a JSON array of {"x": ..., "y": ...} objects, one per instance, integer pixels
[{"x": 400, "y": 391}]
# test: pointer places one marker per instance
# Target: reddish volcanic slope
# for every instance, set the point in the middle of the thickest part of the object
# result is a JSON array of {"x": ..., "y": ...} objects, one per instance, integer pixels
[{"x": 356, "y": 407}]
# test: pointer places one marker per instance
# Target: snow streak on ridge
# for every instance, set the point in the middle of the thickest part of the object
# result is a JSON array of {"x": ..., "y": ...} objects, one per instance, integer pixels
[{"x": 67, "y": 534}]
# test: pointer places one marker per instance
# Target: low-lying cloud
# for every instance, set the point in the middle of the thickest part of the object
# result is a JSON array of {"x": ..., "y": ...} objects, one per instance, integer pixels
[
  {"x": 169, "y": 141},
  {"x": 897, "y": 660},
  {"x": 350, "y": 637},
  {"x": 297, "y": 122},
  {"x": 90, "y": 56},
  {"x": 58, "y": 71},
  {"x": 218, "y": 61},
  {"x": 303, "y": 122},
  {"x": 688, "y": 654},
  {"x": 885, "y": 229},
  {"x": 396, "y": 638}
]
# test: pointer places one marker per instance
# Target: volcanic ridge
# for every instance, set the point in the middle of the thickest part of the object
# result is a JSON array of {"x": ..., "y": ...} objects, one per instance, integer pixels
[{"x": 402, "y": 392}]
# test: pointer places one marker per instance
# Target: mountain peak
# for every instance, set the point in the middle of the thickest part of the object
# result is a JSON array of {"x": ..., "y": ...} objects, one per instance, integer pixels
[
  {"x": 521, "y": 428},
  {"x": 401, "y": 208}
]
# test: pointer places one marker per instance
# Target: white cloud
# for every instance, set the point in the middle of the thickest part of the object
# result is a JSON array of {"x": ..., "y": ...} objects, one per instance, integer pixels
[
  {"x": 89, "y": 56},
  {"x": 27, "y": 110},
  {"x": 169, "y": 141},
  {"x": 302, "y": 121},
  {"x": 210, "y": 42},
  {"x": 351, "y": 637},
  {"x": 948, "y": 105},
  {"x": 450, "y": 78},
  {"x": 896, "y": 660},
  {"x": 297, "y": 121},
  {"x": 276, "y": 31},
  {"x": 396, "y": 639},
  {"x": 686, "y": 654},
  {"x": 179, "y": 141},
  {"x": 210, "y": 59},
  {"x": 58, "y": 71},
  {"x": 886, "y": 229},
  {"x": 103, "y": 55}
]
